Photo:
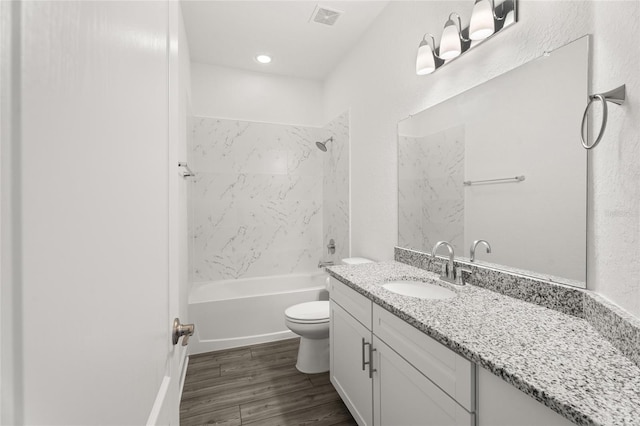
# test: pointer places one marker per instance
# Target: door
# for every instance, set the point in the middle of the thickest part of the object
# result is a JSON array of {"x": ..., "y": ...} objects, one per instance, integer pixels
[
  {"x": 95, "y": 175},
  {"x": 349, "y": 374}
]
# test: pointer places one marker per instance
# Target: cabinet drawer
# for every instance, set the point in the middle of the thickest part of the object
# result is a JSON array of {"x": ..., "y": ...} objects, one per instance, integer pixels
[
  {"x": 449, "y": 371},
  {"x": 351, "y": 301}
]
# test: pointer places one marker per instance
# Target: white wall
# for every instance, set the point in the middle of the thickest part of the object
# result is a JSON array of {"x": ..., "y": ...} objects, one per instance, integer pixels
[
  {"x": 236, "y": 94},
  {"x": 377, "y": 81}
]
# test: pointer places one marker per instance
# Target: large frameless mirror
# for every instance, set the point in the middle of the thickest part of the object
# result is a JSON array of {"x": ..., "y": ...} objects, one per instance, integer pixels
[{"x": 503, "y": 162}]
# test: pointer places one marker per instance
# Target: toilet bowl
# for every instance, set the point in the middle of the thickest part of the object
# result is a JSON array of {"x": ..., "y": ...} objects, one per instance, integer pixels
[{"x": 310, "y": 321}]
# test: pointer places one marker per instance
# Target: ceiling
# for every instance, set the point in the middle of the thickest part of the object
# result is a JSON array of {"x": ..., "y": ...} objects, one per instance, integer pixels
[{"x": 232, "y": 33}]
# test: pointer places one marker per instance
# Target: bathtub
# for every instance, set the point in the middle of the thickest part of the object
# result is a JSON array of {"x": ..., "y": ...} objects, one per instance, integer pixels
[{"x": 232, "y": 313}]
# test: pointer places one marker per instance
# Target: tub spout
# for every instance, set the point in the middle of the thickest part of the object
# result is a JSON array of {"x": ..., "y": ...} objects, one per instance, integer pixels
[{"x": 323, "y": 264}]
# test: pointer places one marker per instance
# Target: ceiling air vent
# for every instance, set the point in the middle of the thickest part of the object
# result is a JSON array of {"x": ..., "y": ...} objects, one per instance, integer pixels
[{"x": 323, "y": 15}]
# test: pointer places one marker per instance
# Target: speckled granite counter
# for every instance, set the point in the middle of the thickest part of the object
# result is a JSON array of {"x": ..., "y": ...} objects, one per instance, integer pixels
[{"x": 558, "y": 359}]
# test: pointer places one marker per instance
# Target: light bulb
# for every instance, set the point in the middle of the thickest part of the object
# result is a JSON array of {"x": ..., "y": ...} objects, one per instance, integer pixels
[
  {"x": 263, "y": 59},
  {"x": 425, "y": 62},
  {"x": 482, "y": 24},
  {"x": 450, "y": 45}
]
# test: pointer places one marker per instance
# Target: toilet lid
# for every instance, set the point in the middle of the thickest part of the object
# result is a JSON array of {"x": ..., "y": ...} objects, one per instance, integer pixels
[{"x": 310, "y": 311}]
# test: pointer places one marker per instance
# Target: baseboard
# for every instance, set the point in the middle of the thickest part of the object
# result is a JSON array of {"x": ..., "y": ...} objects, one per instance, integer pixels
[
  {"x": 159, "y": 409},
  {"x": 184, "y": 363}
]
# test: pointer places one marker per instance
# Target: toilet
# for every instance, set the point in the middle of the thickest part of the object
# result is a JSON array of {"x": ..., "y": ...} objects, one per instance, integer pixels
[{"x": 310, "y": 321}]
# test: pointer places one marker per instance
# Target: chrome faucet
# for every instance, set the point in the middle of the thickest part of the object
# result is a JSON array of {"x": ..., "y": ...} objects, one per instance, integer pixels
[
  {"x": 448, "y": 271},
  {"x": 472, "y": 251}
]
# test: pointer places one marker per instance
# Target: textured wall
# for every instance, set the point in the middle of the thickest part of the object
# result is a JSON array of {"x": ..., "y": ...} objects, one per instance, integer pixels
[
  {"x": 377, "y": 82},
  {"x": 256, "y": 199}
]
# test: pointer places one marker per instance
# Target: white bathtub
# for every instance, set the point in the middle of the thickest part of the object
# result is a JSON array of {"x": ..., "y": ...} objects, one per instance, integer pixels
[{"x": 232, "y": 313}]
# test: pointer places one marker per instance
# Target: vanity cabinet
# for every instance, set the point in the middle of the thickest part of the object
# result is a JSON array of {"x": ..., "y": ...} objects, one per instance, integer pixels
[{"x": 389, "y": 373}]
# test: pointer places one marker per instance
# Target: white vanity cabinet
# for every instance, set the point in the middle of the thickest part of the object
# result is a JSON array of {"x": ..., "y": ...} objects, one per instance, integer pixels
[{"x": 389, "y": 373}]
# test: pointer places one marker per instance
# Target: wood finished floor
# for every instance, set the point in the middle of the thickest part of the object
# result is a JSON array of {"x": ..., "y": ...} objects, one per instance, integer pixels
[{"x": 258, "y": 385}]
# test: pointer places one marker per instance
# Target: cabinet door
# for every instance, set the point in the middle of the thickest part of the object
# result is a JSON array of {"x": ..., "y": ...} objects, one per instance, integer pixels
[
  {"x": 448, "y": 370},
  {"x": 347, "y": 374},
  {"x": 403, "y": 396}
]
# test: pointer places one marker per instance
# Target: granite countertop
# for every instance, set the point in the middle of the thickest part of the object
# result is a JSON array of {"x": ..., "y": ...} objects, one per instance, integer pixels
[{"x": 558, "y": 359}]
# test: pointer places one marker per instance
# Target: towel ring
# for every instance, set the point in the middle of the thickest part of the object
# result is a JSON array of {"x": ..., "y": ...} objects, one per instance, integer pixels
[{"x": 617, "y": 96}]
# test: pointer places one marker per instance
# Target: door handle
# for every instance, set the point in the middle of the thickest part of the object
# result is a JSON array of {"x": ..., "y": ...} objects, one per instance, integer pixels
[
  {"x": 370, "y": 362},
  {"x": 363, "y": 345},
  {"x": 371, "y": 369},
  {"x": 180, "y": 330}
]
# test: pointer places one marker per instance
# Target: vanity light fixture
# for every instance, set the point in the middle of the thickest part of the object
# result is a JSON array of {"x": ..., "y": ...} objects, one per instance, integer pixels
[{"x": 485, "y": 23}]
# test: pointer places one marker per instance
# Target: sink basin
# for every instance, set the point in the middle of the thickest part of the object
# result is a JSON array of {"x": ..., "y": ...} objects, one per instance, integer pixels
[{"x": 419, "y": 289}]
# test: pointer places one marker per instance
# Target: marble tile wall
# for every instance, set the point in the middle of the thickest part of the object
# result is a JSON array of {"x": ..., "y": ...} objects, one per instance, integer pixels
[
  {"x": 256, "y": 200},
  {"x": 430, "y": 190},
  {"x": 336, "y": 188}
]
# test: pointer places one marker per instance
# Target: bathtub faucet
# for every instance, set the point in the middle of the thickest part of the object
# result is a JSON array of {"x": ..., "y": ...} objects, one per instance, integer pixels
[{"x": 322, "y": 264}]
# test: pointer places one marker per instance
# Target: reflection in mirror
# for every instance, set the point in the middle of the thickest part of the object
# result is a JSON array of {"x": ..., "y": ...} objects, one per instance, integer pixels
[{"x": 524, "y": 123}]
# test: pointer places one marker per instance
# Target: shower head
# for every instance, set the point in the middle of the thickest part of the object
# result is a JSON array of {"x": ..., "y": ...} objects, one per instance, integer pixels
[{"x": 322, "y": 146}]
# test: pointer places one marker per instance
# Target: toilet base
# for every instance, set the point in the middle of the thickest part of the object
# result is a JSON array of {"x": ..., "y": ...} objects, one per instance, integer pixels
[{"x": 313, "y": 356}]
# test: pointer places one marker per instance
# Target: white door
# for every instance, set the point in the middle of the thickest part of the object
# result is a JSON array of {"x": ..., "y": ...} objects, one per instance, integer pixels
[{"x": 95, "y": 175}]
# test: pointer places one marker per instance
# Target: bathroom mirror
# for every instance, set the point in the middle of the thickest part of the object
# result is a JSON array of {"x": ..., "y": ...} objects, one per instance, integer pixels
[{"x": 503, "y": 162}]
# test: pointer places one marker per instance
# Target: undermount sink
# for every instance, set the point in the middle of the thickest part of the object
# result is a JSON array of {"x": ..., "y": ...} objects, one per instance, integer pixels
[{"x": 419, "y": 289}]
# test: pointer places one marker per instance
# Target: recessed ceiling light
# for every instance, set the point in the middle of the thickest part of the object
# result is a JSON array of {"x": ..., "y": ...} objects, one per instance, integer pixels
[{"x": 263, "y": 59}]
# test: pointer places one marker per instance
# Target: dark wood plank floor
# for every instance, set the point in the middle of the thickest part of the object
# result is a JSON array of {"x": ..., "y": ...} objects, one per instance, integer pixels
[{"x": 258, "y": 385}]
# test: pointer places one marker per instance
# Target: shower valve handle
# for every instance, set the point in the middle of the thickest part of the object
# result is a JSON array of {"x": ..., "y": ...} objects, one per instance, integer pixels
[
  {"x": 331, "y": 247},
  {"x": 180, "y": 330}
]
